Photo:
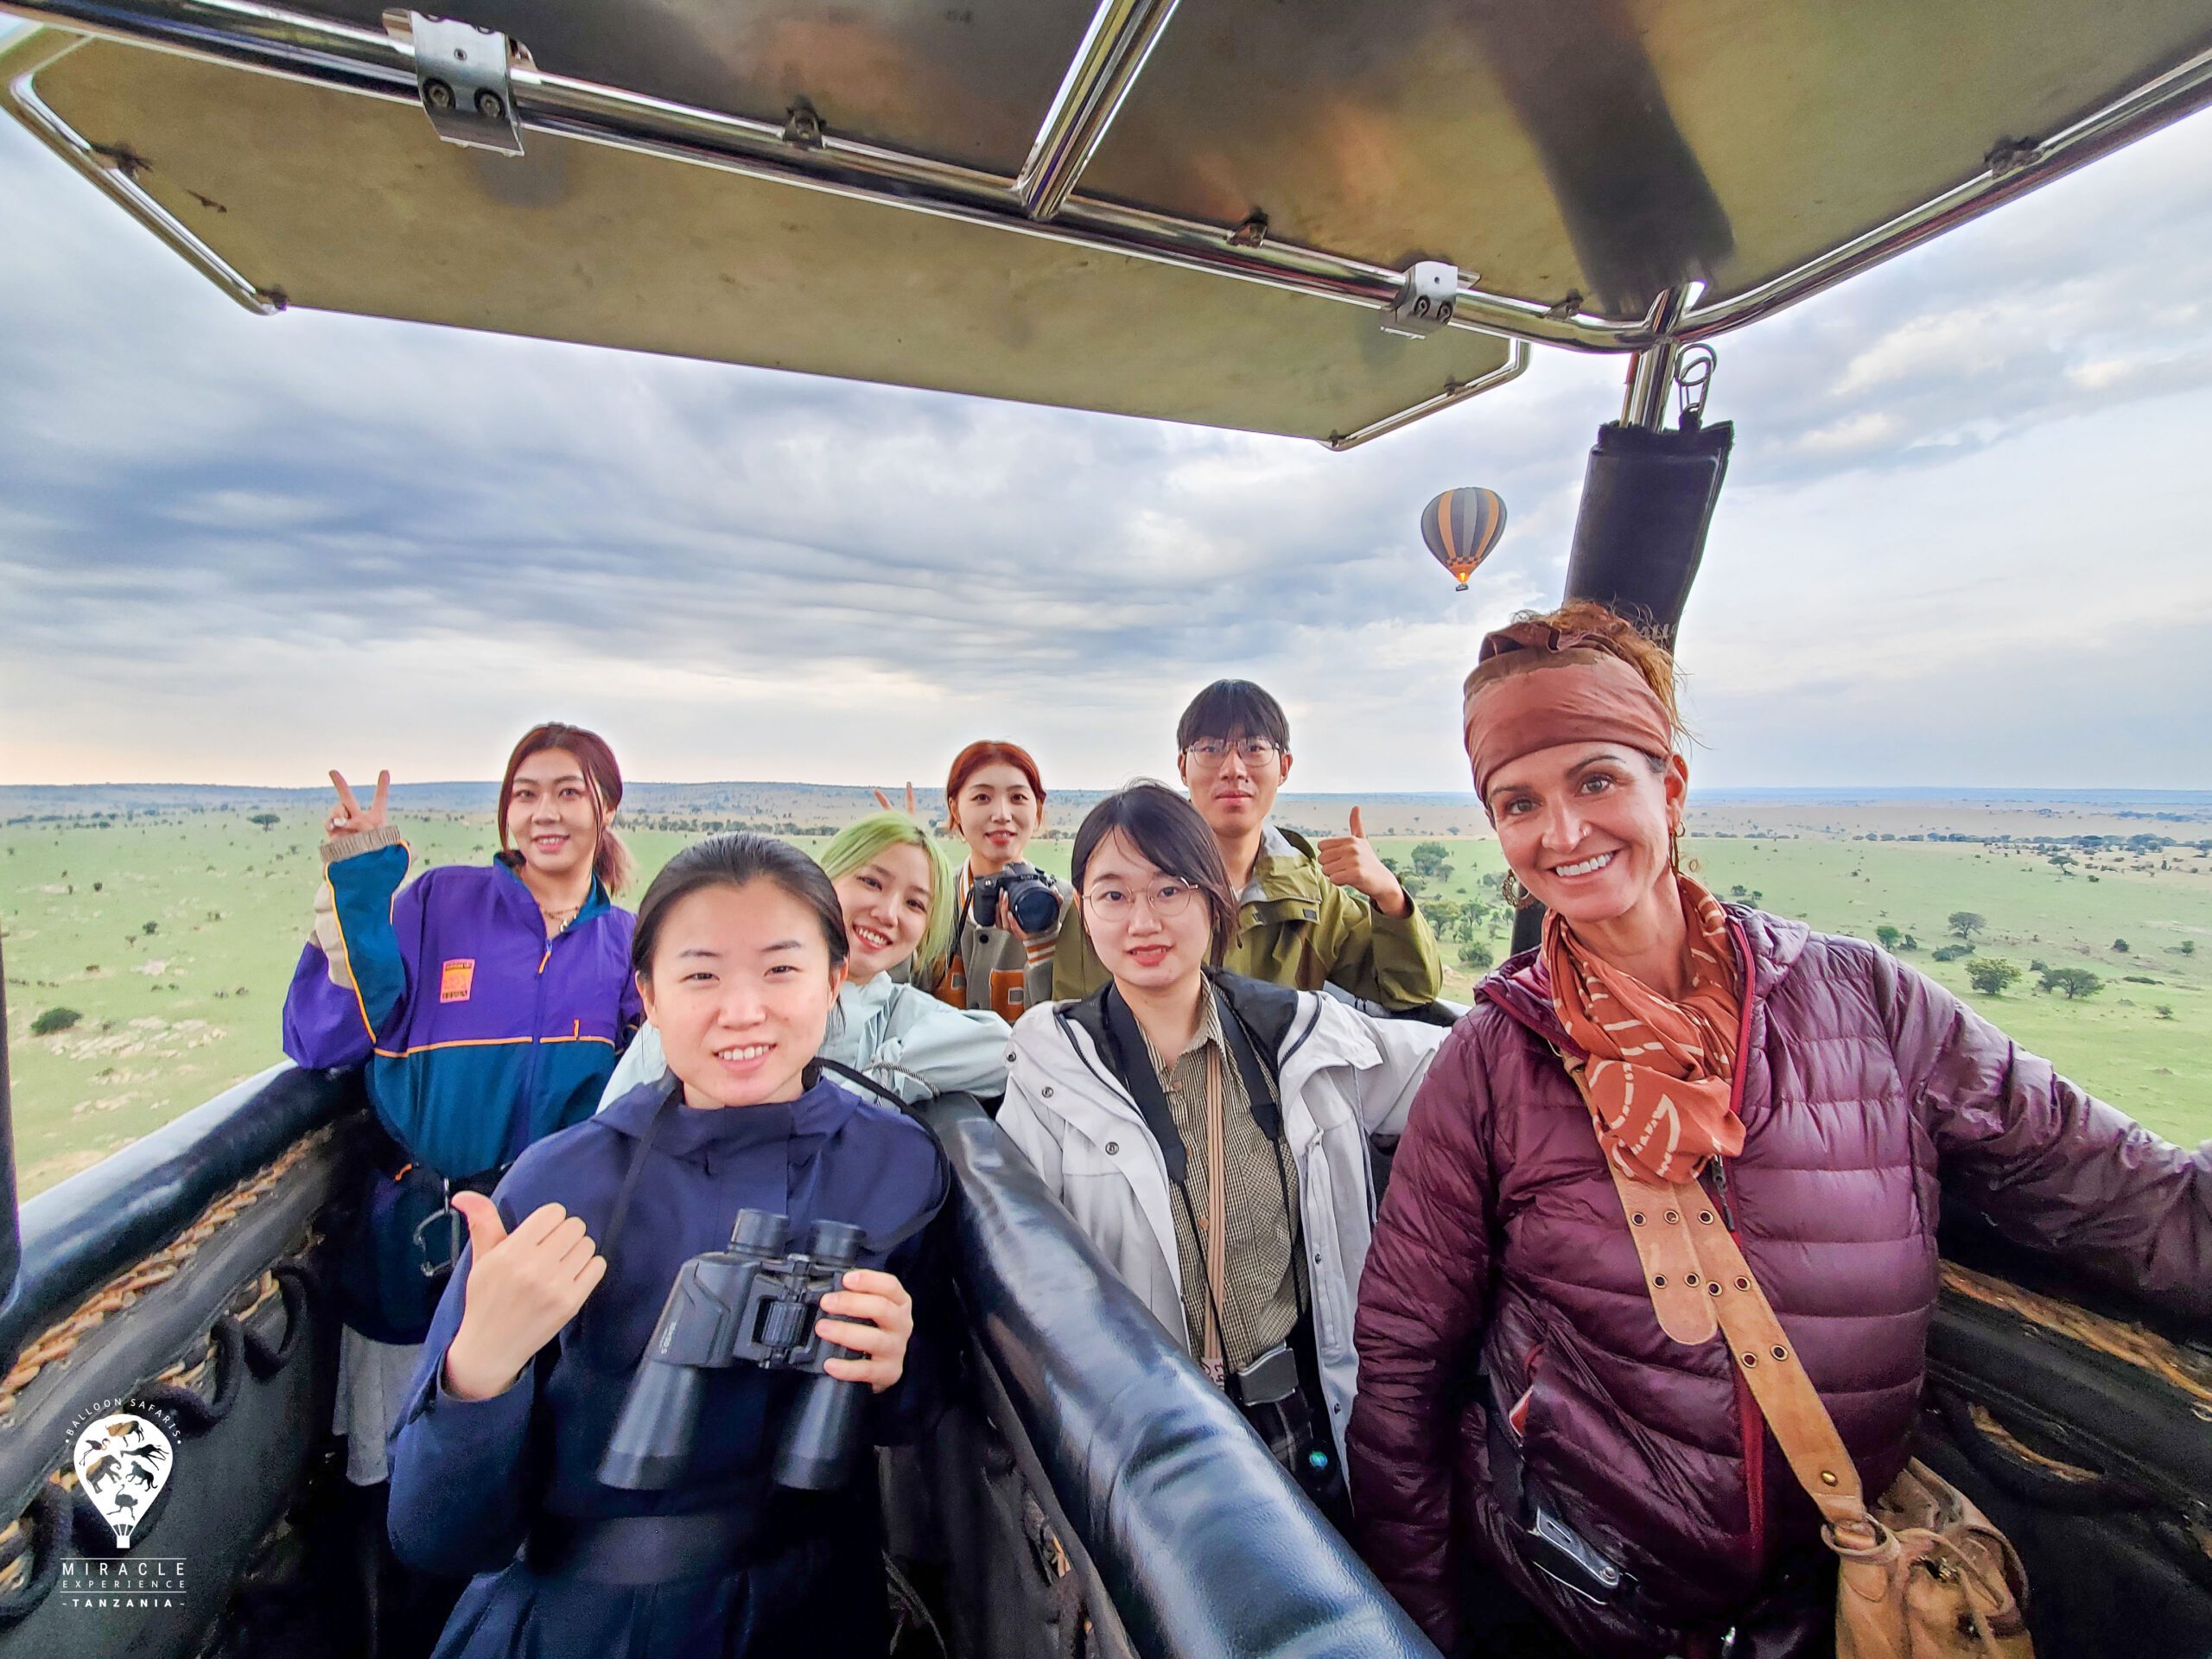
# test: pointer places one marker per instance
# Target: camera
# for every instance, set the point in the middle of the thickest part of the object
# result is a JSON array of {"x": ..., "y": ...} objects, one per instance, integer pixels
[
  {"x": 754, "y": 1304},
  {"x": 1036, "y": 906}
]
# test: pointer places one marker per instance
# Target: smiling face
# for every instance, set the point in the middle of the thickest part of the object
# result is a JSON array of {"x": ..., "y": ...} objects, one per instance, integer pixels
[
  {"x": 995, "y": 813},
  {"x": 552, "y": 819},
  {"x": 1152, "y": 930},
  {"x": 887, "y": 902},
  {"x": 740, "y": 987},
  {"x": 1234, "y": 792},
  {"x": 1584, "y": 826}
]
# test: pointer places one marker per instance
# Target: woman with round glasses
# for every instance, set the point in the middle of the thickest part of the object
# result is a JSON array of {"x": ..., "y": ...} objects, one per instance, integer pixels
[{"x": 1210, "y": 1132}]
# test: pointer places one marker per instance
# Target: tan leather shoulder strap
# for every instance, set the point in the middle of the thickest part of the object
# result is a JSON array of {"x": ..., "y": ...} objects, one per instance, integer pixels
[
  {"x": 1762, "y": 1351},
  {"x": 1660, "y": 1228},
  {"x": 1700, "y": 1282}
]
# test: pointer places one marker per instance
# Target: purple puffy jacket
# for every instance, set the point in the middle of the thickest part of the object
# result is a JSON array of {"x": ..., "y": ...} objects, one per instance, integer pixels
[{"x": 1865, "y": 1091}]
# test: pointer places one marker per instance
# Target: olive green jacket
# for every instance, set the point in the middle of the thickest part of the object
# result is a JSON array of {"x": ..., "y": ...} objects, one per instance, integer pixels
[{"x": 1299, "y": 929}]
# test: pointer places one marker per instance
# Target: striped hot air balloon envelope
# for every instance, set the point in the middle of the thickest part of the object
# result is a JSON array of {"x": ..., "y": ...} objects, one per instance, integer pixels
[{"x": 1460, "y": 527}]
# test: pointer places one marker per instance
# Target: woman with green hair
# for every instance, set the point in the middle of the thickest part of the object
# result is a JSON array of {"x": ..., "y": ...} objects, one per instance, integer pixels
[{"x": 896, "y": 889}]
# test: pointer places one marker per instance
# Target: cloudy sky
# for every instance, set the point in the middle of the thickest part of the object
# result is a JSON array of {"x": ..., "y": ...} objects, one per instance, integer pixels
[{"x": 1963, "y": 541}]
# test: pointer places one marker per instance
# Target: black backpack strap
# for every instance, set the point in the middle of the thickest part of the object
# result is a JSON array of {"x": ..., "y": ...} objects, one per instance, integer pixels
[
  {"x": 866, "y": 1082},
  {"x": 621, "y": 1213}
]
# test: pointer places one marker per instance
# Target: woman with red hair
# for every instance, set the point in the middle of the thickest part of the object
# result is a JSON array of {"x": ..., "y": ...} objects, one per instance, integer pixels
[
  {"x": 994, "y": 800},
  {"x": 1646, "y": 1316},
  {"x": 487, "y": 1003}
]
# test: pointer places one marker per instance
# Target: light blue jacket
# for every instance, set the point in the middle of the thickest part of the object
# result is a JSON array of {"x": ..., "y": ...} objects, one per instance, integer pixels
[{"x": 905, "y": 1039}]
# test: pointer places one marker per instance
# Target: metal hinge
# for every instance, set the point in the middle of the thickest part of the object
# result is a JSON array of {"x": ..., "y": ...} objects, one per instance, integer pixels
[
  {"x": 1425, "y": 303},
  {"x": 461, "y": 74}
]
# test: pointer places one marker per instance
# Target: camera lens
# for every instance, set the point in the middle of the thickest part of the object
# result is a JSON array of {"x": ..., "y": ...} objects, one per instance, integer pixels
[{"x": 1036, "y": 906}]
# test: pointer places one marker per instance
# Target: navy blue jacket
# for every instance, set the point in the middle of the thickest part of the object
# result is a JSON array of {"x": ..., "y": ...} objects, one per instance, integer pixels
[{"x": 468, "y": 1476}]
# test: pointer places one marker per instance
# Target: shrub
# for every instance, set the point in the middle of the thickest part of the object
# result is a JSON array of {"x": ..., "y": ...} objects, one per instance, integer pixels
[
  {"x": 1888, "y": 935},
  {"x": 1950, "y": 952},
  {"x": 55, "y": 1019},
  {"x": 2165, "y": 1010},
  {"x": 150, "y": 928},
  {"x": 1990, "y": 975},
  {"x": 2120, "y": 945},
  {"x": 1476, "y": 955}
]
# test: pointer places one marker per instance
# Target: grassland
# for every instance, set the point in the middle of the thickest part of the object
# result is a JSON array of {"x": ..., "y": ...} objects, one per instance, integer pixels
[{"x": 169, "y": 1017}]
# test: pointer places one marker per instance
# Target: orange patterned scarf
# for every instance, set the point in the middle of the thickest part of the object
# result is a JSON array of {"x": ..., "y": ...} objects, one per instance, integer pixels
[{"x": 1657, "y": 1078}]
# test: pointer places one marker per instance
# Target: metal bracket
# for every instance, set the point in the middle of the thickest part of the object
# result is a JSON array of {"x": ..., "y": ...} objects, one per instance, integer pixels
[
  {"x": 1693, "y": 371},
  {"x": 1425, "y": 303},
  {"x": 462, "y": 74}
]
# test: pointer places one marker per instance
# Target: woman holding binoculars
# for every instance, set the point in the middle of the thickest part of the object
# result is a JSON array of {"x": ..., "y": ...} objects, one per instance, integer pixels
[
  {"x": 1007, "y": 912},
  {"x": 740, "y": 954}
]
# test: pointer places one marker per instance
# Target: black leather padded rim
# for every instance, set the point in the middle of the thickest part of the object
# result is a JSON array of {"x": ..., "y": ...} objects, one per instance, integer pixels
[
  {"x": 1166, "y": 1489},
  {"x": 92, "y": 1227}
]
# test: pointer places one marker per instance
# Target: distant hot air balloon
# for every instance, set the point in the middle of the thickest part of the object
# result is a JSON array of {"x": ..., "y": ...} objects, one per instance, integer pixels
[{"x": 1460, "y": 527}]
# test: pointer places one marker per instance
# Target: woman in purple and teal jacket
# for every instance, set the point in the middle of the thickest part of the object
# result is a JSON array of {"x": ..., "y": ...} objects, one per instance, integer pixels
[{"x": 487, "y": 1003}]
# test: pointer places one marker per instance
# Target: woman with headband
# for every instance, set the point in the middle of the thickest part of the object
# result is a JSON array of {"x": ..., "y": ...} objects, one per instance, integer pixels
[{"x": 1548, "y": 1412}]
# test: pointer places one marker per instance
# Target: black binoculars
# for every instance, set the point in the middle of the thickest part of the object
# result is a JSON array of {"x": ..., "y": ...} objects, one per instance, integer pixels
[
  {"x": 1028, "y": 891},
  {"x": 754, "y": 1304}
]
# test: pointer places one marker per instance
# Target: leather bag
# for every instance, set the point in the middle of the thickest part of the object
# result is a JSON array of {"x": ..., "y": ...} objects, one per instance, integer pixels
[{"x": 1923, "y": 1574}]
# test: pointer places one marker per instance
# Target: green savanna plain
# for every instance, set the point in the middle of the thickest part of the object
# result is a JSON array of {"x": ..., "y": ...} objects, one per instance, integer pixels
[{"x": 171, "y": 1017}]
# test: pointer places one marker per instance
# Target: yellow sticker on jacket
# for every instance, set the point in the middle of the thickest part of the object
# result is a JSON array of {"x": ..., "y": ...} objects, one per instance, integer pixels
[{"x": 458, "y": 975}]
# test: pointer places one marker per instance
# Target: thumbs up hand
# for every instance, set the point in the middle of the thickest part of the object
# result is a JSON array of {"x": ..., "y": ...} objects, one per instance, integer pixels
[
  {"x": 1351, "y": 861},
  {"x": 522, "y": 1288}
]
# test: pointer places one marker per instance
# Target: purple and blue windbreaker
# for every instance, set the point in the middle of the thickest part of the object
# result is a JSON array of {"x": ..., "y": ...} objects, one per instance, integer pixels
[{"x": 480, "y": 1035}]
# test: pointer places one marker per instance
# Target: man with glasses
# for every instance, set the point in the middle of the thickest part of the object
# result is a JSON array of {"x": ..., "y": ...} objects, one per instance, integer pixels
[{"x": 1308, "y": 915}]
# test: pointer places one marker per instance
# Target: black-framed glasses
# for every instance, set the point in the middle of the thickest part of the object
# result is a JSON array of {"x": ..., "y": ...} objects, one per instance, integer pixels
[{"x": 1252, "y": 750}]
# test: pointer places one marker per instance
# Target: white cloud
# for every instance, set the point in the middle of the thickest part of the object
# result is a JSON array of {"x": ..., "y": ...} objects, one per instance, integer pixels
[{"x": 1960, "y": 542}]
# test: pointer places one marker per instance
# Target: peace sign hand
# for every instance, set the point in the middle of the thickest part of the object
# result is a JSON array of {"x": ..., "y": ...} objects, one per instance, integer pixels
[
  {"x": 350, "y": 819},
  {"x": 883, "y": 801}
]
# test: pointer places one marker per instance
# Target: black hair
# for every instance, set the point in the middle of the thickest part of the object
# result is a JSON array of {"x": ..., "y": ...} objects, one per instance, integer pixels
[
  {"x": 1232, "y": 708},
  {"x": 732, "y": 861},
  {"x": 1168, "y": 831}
]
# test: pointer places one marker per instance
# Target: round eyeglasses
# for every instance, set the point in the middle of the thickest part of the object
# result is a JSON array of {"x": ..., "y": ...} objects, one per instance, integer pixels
[{"x": 1164, "y": 898}]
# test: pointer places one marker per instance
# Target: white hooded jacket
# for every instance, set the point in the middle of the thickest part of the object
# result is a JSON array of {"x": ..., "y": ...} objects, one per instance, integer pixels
[{"x": 1344, "y": 1076}]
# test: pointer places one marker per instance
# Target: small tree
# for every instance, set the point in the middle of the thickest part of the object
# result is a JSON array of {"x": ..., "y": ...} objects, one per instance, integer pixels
[
  {"x": 1908, "y": 943},
  {"x": 268, "y": 821},
  {"x": 1966, "y": 924},
  {"x": 1888, "y": 935},
  {"x": 2120, "y": 945},
  {"x": 1429, "y": 855},
  {"x": 1990, "y": 975},
  {"x": 1476, "y": 955},
  {"x": 2072, "y": 983},
  {"x": 55, "y": 1019},
  {"x": 2189, "y": 947},
  {"x": 2165, "y": 1010},
  {"x": 150, "y": 928}
]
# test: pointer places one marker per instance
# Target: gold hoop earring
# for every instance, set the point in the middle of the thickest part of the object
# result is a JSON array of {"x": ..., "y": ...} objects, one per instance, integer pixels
[{"x": 1510, "y": 887}]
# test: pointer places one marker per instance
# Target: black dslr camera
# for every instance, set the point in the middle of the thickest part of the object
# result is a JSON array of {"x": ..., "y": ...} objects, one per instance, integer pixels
[
  {"x": 1027, "y": 888},
  {"x": 754, "y": 1304}
]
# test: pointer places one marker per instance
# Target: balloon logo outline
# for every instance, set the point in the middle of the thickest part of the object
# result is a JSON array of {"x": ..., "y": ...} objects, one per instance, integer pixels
[{"x": 123, "y": 1461}]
